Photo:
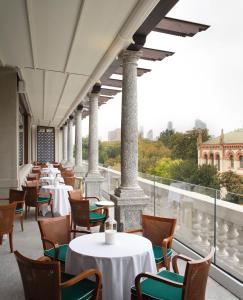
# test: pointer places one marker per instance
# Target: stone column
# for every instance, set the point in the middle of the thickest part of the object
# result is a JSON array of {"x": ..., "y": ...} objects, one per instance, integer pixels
[
  {"x": 129, "y": 198},
  {"x": 78, "y": 141},
  {"x": 70, "y": 161},
  {"x": 93, "y": 178},
  {"x": 64, "y": 144}
]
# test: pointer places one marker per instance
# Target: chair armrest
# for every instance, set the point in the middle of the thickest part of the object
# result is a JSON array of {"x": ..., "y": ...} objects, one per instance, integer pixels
[
  {"x": 44, "y": 258},
  {"x": 80, "y": 231},
  {"x": 156, "y": 278},
  {"x": 86, "y": 198},
  {"x": 81, "y": 276},
  {"x": 165, "y": 244},
  {"x": 54, "y": 245},
  {"x": 174, "y": 261},
  {"x": 134, "y": 230}
]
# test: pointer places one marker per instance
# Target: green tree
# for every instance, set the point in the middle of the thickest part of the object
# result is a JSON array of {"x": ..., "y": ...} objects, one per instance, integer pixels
[
  {"x": 232, "y": 182},
  {"x": 166, "y": 137},
  {"x": 206, "y": 175},
  {"x": 149, "y": 153},
  {"x": 164, "y": 167},
  {"x": 184, "y": 145}
]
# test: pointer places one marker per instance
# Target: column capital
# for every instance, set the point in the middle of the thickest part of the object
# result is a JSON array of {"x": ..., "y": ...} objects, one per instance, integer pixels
[{"x": 130, "y": 56}]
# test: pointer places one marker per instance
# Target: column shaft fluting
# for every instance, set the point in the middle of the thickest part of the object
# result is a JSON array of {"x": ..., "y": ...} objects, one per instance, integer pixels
[
  {"x": 70, "y": 141},
  {"x": 78, "y": 138},
  {"x": 93, "y": 135},
  {"x": 129, "y": 121}
]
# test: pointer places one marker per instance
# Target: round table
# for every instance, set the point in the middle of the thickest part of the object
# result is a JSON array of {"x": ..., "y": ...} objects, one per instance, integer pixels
[
  {"x": 119, "y": 263},
  {"x": 108, "y": 204},
  {"x": 52, "y": 171},
  {"x": 61, "y": 205},
  {"x": 50, "y": 180}
]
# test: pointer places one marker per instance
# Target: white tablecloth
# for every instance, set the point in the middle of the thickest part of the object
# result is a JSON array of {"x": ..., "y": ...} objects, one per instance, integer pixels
[
  {"x": 51, "y": 171},
  {"x": 50, "y": 180},
  {"x": 119, "y": 263},
  {"x": 61, "y": 204}
]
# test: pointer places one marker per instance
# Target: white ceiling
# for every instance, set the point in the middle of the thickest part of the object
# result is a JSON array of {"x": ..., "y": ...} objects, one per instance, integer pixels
[{"x": 58, "y": 44}]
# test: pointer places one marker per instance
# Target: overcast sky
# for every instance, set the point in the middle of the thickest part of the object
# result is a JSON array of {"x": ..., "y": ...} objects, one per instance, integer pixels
[{"x": 202, "y": 80}]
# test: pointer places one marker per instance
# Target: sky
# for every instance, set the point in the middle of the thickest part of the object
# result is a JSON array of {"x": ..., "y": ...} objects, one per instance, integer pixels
[{"x": 202, "y": 80}]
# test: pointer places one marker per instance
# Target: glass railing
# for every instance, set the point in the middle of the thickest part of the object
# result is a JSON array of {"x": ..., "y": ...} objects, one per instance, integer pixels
[{"x": 205, "y": 217}]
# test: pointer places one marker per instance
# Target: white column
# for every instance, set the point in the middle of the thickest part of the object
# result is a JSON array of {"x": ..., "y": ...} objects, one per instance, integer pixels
[
  {"x": 64, "y": 143},
  {"x": 70, "y": 160},
  {"x": 93, "y": 178},
  {"x": 93, "y": 135},
  {"x": 78, "y": 140},
  {"x": 129, "y": 197}
]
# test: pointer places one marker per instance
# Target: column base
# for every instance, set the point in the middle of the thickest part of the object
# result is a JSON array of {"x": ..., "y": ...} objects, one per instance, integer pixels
[
  {"x": 129, "y": 206},
  {"x": 93, "y": 183},
  {"x": 79, "y": 171}
]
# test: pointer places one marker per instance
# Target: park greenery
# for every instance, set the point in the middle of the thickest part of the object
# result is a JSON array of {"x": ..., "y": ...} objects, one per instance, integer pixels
[{"x": 173, "y": 156}]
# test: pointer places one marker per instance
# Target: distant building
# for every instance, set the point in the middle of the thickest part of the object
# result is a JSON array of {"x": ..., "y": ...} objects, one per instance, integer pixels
[
  {"x": 150, "y": 135},
  {"x": 225, "y": 151},
  {"x": 114, "y": 135}
]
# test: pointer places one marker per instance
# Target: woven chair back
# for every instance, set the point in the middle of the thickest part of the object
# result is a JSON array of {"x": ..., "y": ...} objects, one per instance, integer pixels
[
  {"x": 40, "y": 279},
  {"x": 7, "y": 213}
]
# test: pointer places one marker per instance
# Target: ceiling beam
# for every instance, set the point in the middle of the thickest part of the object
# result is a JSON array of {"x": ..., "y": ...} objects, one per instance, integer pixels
[
  {"x": 109, "y": 92},
  {"x": 140, "y": 71},
  {"x": 179, "y": 27},
  {"x": 157, "y": 14},
  {"x": 50, "y": 70},
  {"x": 112, "y": 82},
  {"x": 61, "y": 95},
  {"x": 154, "y": 54},
  {"x": 28, "y": 7},
  {"x": 74, "y": 36}
]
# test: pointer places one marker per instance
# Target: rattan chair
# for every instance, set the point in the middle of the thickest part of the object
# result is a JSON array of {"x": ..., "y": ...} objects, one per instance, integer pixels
[
  {"x": 84, "y": 216},
  {"x": 172, "y": 286},
  {"x": 7, "y": 213},
  {"x": 69, "y": 180},
  {"x": 42, "y": 279},
  {"x": 18, "y": 197},
  {"x": 56, "y": 235},
  {"x": 32, "y": 176},
  {"x": 35, "y": 199},
  {"x": 160, "y": 232},
  {"x": 67, "y": 173}
]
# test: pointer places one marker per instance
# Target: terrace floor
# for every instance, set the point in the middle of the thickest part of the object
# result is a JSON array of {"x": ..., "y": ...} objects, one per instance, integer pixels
[{"x": 29, "y": 244}]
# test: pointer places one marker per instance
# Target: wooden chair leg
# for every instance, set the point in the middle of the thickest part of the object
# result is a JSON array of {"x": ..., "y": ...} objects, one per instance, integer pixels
[
  {"x": 1, "y": 239},
  {"x": 11, "y": 241},
  {"x": 26, "y": 208},
  {"x": 22, "y": 222},
  {"x": 36, "y": 212},
  {"x": 52, "y": 211}
]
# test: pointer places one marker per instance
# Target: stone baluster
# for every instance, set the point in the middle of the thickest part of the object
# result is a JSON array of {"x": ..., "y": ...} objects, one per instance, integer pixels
[
  {"x": 205, "y": 225},
  {"x": 196, "y": 226},
  {"x": 239, "y": 253},
  {"x": 222, "y": 239},
  {"x": 232, "y": 242}
]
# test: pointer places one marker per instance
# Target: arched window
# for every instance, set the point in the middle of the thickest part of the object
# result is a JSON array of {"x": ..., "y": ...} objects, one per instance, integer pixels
[
  {"x": 205, "y": 159},
  {"x": 241, "y": 161},
  {"x": 218, "y": 162},
  {"x": 232, "y": 165},
  {"x": 211, "y": 159}
]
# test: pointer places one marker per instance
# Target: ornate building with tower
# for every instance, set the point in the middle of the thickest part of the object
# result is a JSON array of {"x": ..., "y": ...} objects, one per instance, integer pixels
[{"x": 225, "y": 151}]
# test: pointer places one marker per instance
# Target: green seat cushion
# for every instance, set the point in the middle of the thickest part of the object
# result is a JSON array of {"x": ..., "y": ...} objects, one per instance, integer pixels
[
  {"x": 158, "y": 255},
  {"x": 43, "y": 199},
  {"x": 61, "y": 253},
  {"x": 94, "y": 217},
  {"x": 82, "y": 290},
  {"x": 19, "y": 210},
  {"x": 92, "y": 206},
  {"x": 159, "y": 290}
]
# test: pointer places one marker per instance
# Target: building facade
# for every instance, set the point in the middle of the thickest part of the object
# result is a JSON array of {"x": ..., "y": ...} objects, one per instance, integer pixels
[{"x": 224, "y": 152}]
